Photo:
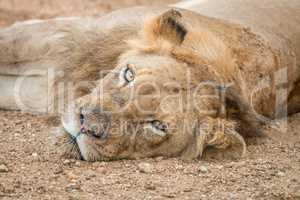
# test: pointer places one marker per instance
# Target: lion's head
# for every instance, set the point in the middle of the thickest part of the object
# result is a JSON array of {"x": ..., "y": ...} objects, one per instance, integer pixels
[{"x": 155, "y": 102}]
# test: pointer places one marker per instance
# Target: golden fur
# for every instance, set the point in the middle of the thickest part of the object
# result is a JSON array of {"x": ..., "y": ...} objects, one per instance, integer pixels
[
  {"x": 167, "y": 50},
  {"x": 191, "y": 74}
]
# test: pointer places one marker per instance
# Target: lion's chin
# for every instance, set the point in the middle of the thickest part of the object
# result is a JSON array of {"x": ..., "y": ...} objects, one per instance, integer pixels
[
  {"x": 67, "y": 145},
  {"x": 85, "y": 151},
  {"x": 78, "y": 148}
]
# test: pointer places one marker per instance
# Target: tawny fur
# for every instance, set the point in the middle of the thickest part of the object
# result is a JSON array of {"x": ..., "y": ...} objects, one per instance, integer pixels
[{"x": 173, "y": 41}]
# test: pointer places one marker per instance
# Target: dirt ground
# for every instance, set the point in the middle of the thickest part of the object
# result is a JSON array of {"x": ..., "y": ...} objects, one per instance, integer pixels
[{"x": 31, "y": 168}]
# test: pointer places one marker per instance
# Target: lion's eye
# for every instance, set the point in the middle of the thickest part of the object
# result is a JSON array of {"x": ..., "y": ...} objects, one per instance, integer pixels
[
  {"x": 128, "y": 75},
  {"x": 159, "y": 125}
]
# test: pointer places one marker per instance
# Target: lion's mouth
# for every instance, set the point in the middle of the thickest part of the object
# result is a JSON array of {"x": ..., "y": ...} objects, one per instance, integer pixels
[{"x": 87, "y": 143}]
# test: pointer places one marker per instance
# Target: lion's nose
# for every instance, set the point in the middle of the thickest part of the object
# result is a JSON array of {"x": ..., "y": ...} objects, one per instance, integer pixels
[
  {"x": 94, "y": 122},
  {"x": 81, "y": 119},
  {"x": 84, "y": 128}
]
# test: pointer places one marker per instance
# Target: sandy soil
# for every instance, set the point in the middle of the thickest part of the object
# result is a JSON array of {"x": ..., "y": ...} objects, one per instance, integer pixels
[{"x": 31, "y": 168}]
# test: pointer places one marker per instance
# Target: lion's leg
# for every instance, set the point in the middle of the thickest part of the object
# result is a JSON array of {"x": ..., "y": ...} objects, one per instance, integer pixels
[
  {"x": 223, "y": 139},
  {"x": 28, "y": 53},
  {"x": 216, "y": 137},
  {"x": 28, "y": 93},
  {"x": 38, "y": 45},
  {"x": 75, "y": 51}
]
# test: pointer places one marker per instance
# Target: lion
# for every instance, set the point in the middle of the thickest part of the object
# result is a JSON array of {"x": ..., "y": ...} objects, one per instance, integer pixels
[{"x": 164, "y": 81}]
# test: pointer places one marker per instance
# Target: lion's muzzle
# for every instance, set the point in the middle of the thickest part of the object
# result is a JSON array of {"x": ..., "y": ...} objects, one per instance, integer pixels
[{"x": 94, "y": 122}]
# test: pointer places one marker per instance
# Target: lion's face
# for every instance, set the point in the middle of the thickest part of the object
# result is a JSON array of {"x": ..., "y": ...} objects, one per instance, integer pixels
[
  {"x": 137, "y": 111},
  {"x": 144, "y": 107}
]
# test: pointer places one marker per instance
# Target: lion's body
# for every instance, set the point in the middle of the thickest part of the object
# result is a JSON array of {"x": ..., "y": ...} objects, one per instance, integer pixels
[
  {"x": 274, "y": 29},
  {"x": 253, "y": 48},
  {"x": 69, "y": 44}
]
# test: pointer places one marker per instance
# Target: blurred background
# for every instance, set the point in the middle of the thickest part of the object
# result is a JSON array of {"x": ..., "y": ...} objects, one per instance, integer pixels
[{"x": 20, "y": 10}]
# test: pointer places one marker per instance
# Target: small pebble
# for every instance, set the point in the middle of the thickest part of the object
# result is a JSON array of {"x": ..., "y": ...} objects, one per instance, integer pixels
[
  {"x": 101, "y": 170},
  {"x": 187, "y": 190},
  {"x": 203, "y": 169},
  {"x": 179, "y": 167},
  {"x": 89, "y": 174},
  {"x": 219, "y": 166},
  {"x": 280, "y": 174},
  {"x": 34, "y": 154},
  {"x": 170, "y": 196},
  {"x": 150, "y": 186},
  {"x": 73, "y": 181},
  {"x": 66, "y": 162},
  {"x": 71, "y": 176},
  {"x": 73, "y": 187},
  {"x": 145, "y": 168},
  {"x": 3, "y": 168},
  {"x": 158, "y": 159},
  {"x": 99, "y": 164},
  {"x": 58, "y": 170}
]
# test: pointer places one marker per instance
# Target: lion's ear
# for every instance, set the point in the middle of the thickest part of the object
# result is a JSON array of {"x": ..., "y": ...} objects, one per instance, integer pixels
[
  {"x": 166, "y": 26},
  {"x": 215, "y": 138},
  {"x": 161, "y": 33}
]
